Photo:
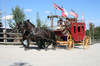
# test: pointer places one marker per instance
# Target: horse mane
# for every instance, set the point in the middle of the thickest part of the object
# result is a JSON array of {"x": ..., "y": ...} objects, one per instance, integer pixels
[
  {"x": 47, "y": 29},
  {"x": 30, "y": 23}
]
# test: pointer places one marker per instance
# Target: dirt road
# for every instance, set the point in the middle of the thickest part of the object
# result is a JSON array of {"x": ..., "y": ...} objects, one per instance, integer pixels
[{"x": 17, "y": 56}]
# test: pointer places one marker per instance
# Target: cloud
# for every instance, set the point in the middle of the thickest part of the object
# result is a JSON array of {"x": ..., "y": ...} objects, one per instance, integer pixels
[
  {"x": 8, "y": 17},
  {"x": 48, "y": 12},
  {"x": 28, "y": 10}
]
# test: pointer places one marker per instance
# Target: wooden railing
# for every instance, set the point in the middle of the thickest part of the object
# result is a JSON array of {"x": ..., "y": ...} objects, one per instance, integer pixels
[{"x": 9, "y": 37}]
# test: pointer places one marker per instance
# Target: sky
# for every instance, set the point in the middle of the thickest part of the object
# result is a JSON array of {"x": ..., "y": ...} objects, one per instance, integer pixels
[{"x": 90, "y": 9}]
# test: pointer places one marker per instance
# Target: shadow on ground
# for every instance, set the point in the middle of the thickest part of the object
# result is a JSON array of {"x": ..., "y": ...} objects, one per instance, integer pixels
[
  {"x": 65, "y": 47},
  {"x": 31, "y": 47},
  {"x": 20, "y": 64},
  {"x": 60, "y": 47},
  {"x": 36, "y": 48}
]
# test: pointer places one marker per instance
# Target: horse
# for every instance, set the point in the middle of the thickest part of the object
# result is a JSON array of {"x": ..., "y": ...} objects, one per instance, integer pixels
[
  {"x": 39, "y": 35},
  {"x": 21, "y": 28}
]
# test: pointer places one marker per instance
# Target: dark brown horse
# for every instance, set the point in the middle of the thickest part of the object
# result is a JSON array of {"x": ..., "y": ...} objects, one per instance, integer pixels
[
  {"x": 20, "y": 27},
  {"x": 39, "y": 35}
]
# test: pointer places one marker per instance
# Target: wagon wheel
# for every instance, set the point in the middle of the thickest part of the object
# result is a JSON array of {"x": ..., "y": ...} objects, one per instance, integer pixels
[
  {"x": 70, "y": 42},
  {"x": 40, "y": 43},
  {"x": 86, "y": 42}
]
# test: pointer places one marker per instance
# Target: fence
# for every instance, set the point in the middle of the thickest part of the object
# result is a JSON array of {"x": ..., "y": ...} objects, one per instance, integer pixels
[{"x": 7, "y": 36}]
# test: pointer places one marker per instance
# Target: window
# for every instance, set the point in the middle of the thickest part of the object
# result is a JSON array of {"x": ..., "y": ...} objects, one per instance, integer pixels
[
  {"x": 82, "y": 28},
  {"x": 78, "y": 28},
  {"x": 74, "y": 29}
]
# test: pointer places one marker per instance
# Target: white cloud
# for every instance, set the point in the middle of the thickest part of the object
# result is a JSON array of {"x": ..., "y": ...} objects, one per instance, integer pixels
[
  {"x": 8, "y": 17},
  {"x": 48, "y": 12},
  {"x": 28, "y": 10}
]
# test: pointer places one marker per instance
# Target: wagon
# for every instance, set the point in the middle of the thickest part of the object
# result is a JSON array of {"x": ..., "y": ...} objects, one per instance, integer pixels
[{"x": 71, "y": 33}]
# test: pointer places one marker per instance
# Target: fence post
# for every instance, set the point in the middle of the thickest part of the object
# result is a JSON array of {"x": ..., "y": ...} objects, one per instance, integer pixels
[{"x": 5, "y": 36}]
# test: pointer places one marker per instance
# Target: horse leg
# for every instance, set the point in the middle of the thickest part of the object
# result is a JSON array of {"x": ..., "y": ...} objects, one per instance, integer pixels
[
  {"x": 25, "y": 42},
  {"x": 54, "y": 45},
  {"x": 47, "y": 43},
  {"x": 43, "y": 44},
  {"x": 27, "y": 46},
  {"x": 39, "y": 43},
  {"x": 22, "y": 42},
  {"x": 53, "y": 41}
]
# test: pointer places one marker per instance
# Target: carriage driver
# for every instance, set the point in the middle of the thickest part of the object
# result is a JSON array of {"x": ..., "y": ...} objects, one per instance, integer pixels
[
  {"x": 60, "y": 23},
  {"x": 67, "y": 22}
]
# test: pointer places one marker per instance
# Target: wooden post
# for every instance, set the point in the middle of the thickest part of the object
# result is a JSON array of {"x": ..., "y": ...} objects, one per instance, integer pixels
[
  {"x": 51, "y": 22},
  {"x": 5, "y": 36}
]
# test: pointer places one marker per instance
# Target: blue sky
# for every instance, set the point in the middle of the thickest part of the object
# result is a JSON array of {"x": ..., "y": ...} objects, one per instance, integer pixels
[{"x": 90, "y": 8}]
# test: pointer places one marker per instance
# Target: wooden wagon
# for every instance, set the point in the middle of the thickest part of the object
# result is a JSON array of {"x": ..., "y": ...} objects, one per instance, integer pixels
[{"x": 71, "y": 32}]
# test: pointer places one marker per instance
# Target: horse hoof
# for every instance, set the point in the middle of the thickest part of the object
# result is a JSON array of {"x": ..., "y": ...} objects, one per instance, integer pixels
[
  {"x": 54, "y": 48},
  {"x": 25, "y": 49},
  {"x": 46, "y": 49}
]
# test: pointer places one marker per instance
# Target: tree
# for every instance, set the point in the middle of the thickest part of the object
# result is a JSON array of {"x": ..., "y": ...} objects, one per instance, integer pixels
[
  {"x": 91, "y": 30},
  {"x": 44, "y": 26},
  {"x": 87, "y": 32},
  {"x": 38, "y": 20},
  {"x": 97, "y": 32},
  {"x": 18, "y": 16},
  {"x": 0, "y": 16},
  {"x": 0, "y": 19},
  {"x": 11, "y": 24}
]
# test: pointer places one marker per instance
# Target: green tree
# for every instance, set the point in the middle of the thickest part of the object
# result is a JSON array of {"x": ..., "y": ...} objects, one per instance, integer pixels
[
  {"x": 0, "y": 18},
  {"x": 87, "y": 32},
  {"x": 91, "y": 30},
  {"x": 97, "y": 32},
  {"x": 11, "y": 24},
  {"x": 38, "y": 20},
  {"x": 44, "y": 26},
  {"x": 18, "y": 16}
]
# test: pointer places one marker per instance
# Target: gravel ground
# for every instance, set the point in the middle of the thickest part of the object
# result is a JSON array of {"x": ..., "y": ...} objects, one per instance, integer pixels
[{"x": 16, "y": 56}]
